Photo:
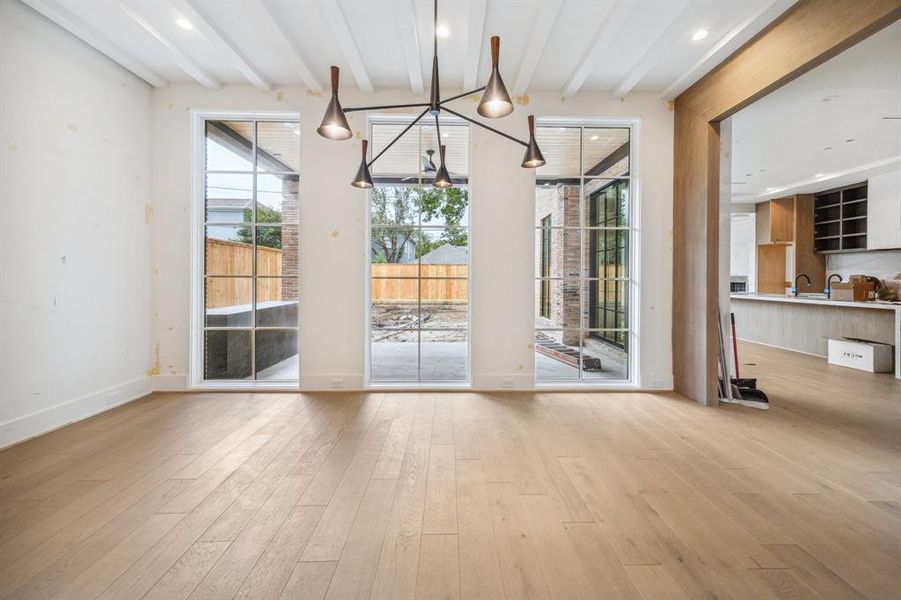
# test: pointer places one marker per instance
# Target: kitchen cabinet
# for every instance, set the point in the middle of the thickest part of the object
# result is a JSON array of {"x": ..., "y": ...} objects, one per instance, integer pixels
[
  {"x": 775, "y": 221},
  {"x": 884, "y": 211},
  {"x": 840, "y": 219},
  {"x": 785, "y": 245}
]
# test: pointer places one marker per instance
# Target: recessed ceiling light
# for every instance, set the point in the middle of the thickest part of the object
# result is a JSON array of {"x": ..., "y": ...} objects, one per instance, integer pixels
[
  {"x": 184, "y": 23},
  {"x": 442, "y": 31},
  {"x": 595, "y": 137},
  {"x": 699, "y": 35},
  {"x": 560, "y": 129},
  {"x": 771, "y": 189},
  {"x": 297, "y": 131},
  {"x": 749, "y": 174},
  {"x": 819, "y": 175},
  {"x": 851, "y": 140},
  {"x": 828, "y": 148}
]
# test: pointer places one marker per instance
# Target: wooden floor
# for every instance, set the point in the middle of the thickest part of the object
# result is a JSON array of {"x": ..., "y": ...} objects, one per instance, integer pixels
[{"x": 465, "y": 495}]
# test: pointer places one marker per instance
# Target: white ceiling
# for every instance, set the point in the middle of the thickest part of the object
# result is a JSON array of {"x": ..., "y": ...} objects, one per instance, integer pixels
[
  {"x": 558, "y": 45},
  {"x": 825, "y": 129}
]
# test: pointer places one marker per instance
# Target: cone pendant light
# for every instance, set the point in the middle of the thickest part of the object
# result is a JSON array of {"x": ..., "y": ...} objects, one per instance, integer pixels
[
  {"x": 334, "y": 124},
  {"x": 363, "y": 179},
  {"x": 494, "y": 104},
  {"x": 495, "y": 101},
  {"x": 442, "y": 177},
  {"x": 533, "y": 158}
]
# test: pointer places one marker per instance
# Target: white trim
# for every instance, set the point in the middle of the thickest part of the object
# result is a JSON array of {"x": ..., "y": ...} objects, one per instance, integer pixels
[
  {"x": 198, "y": 120},
  {"x": 72, "y": 411}
]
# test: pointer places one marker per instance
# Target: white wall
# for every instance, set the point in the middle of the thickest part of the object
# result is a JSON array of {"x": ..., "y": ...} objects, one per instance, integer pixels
[
  {"x": 332, "y": 231},
  {"x": 74, "y": 245}
]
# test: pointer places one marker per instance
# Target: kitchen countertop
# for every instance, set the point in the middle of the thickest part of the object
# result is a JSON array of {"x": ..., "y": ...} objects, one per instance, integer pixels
[{"x": 816, "y": 300}]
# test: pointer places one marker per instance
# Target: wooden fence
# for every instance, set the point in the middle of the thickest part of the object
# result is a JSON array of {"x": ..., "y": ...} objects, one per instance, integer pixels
[
  {"x": 393, "y": 282},
  {"x": 235, "y": 260}
]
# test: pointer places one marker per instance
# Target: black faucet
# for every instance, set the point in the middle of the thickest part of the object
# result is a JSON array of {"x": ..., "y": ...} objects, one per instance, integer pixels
[
  {"x": 800, "y": 275},
  {"x": 829, "y": 285}
]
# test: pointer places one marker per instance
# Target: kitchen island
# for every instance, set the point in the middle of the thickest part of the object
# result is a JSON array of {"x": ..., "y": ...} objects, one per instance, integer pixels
[{"x": 805, "y": 323}]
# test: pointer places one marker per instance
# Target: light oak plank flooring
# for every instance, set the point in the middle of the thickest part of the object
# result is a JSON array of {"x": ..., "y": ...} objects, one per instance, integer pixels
[{"x": 467, "y": 495}]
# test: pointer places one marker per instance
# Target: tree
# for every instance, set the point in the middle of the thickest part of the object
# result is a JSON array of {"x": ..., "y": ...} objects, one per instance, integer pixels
[
  {"x": 270, "y": 237},
  {"x": 400, "y": 207}
]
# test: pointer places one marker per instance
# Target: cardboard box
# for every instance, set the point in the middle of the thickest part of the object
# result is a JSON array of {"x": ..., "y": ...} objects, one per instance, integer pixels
[
  {"x": 855, "y": 290},
  {"x": 863, "y": 355}
]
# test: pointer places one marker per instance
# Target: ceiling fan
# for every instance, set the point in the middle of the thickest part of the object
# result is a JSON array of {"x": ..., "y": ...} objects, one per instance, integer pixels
[{"x": 495, "y": 103}]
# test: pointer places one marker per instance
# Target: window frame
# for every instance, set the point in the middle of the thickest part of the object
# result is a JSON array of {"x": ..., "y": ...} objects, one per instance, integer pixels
[
  {"x": 633, "y": 277},
  {"x": 418, "y": 383},
  {"x": 545, "y": 309},
  {"x": 197, "y": 325}
]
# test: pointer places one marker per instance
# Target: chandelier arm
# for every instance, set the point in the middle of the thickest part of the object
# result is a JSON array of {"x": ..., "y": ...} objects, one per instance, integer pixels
[
  {"x": 483, "y": 126},
  {"x": 463, "y": 95},
  {"x": 386, "y": 106},
  {"x": 399, "y": 135}
]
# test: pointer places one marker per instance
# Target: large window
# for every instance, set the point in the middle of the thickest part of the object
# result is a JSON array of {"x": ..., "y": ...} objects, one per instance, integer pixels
[
  {"x": 419, "y": 257},
  {"x": 250, "y": 251},
  {"x": 582, "y": 254}
]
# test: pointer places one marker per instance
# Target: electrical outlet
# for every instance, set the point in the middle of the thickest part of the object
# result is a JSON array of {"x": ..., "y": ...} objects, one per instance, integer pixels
[
  {"x": 113, "y": 398},
  {"x": 507, "y": 384},
  {"x": 336, "y": 384}
]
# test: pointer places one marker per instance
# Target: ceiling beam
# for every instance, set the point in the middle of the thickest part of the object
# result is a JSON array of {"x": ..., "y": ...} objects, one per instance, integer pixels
[
  {"x": 295, "y": 56},
  {"x": 198, "y": 17},
  {"x": 405, "y": 17},
  {"x": 545, "y": 19},
  {"x": 474, "y": 30},
  {"x": 182, "y": 60},
  {"x": 661, "y": 47},
  {"x": 759, "y": 17},
  {"x": 87, "y": 34},
  {"x": 613, "y": 20},
  {"x": 341, "y": 30}
]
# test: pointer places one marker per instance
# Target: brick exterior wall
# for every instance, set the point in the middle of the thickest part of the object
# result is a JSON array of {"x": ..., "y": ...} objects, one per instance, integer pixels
[
  {"x": 290, "y": 241},
  {"x": 561, "y": 202}
]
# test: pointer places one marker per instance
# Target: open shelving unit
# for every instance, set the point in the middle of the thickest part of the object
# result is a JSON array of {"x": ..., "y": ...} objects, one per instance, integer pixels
[{"x": 840, "y": 219}]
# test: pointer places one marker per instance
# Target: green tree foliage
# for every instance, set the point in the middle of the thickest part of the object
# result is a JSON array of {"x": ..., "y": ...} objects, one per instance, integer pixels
[
  {"x": 400, "y": 206},
  {"x": 270, "y": 237}
]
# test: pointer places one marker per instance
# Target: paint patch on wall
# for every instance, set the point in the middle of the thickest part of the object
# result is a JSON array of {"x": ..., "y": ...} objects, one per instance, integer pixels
[{"x": 155, "y": 367}]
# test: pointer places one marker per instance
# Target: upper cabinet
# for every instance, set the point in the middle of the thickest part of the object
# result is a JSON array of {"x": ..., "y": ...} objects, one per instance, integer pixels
[
  {"x": 785, "y": 245},
  {"x": 840, "y": 219},
  {"x": 884, "y": 213},
  {"x": 775, "y": 221}
]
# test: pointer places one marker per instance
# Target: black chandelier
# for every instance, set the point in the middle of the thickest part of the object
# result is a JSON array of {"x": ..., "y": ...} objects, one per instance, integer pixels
[{"x": 495, "y": 104}]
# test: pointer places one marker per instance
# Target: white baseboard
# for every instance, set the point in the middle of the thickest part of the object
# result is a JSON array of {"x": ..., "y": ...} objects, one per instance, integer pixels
[
  {"x": 54, "y": 417},
  {"x": 169, "y": 383},
  {"x": 348, "y": 381},
  {"x": 503, "y": 381}
]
